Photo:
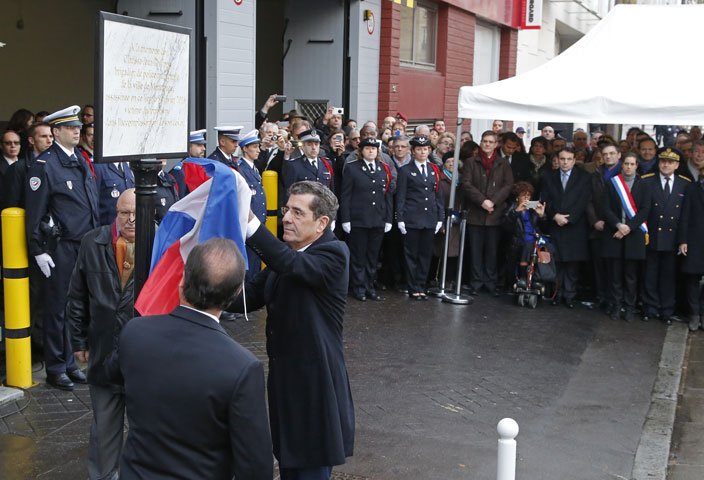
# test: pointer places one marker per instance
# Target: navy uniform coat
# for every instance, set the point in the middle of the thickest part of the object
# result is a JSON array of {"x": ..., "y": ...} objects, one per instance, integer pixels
[
  {"x": 195, "y": 401},
  {"x": 301, "y": 169},
  {"x": 219, "y": 156},
  {"x": 691, "y": 229},
  {"x": 418, "y": 199},
  {"x": 632, "y": 246},
  {"x": 571, "y": 240},
  {"x": 366, "y": 200},
  {"x": 305, "y": 293},
  {"x": 111, "y": 183},
  {"x": 664, "y": 216},
  {"x": 64, "y": 188},
  {"x": 166, "y": 195},
  {"x": 254, "y": 181}
]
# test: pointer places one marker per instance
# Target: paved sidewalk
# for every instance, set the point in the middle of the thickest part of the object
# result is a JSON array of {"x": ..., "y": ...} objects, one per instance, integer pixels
[{"x": 430, "y": 382}]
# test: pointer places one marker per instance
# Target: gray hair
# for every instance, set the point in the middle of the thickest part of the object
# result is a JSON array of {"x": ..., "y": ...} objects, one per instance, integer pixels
[{"x": 324, "y": 203}]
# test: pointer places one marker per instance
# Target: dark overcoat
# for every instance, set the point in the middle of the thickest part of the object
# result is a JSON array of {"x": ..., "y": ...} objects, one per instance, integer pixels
[
  {"x": 691, "y": 229},
  {"x": 632, "y": 246},
  {"x": 310, "y": 402},
  {"x": 571, "y": 240},
  {"x": 665, "y": 211},
  {"x": 479, "y": 186},
  {"x": 366, "y": 199}
]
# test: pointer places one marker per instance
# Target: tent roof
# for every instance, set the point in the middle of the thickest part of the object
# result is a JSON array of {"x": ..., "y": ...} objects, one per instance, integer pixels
[{"x": 638, "y": 65}]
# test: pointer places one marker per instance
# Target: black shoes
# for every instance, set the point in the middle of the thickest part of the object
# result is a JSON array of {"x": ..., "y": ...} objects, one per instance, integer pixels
[
  {"x": 77, "y": 376},
  {"x": 360, "y": 297},
  {"x": 60, "y": 381},
  {"x": 373, "y": 296},
  {"x": 570, "y": 304}
]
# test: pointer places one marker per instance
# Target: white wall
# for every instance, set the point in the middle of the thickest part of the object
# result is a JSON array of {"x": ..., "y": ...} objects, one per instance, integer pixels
[{"x": 364, "y": 61}]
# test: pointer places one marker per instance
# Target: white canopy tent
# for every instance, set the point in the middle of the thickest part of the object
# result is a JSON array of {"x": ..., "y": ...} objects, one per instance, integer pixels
[{"x": 639, "y": 65}]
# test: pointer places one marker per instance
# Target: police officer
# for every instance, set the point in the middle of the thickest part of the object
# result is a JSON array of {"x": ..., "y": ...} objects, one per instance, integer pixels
[
  {"x": 666, "y": 192},
  {"x": 366, "y": 211},
  {"x": 62, "y": 205},
  {"x": 309, "y": 166},
  {"x": 112, "y": 179},
  {"x": 228, "y": 137},
  {"x": 419, "y": 213},
  {"x": 249, "y": 145},
  {"x": 166, "y": 194},
  {"x": 196, "y": 149}
]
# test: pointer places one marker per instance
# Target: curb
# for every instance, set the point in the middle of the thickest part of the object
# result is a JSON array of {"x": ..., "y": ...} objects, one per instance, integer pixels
[
  {"x": 8, "y": 395},
  {"x": 653, "y": 450}
]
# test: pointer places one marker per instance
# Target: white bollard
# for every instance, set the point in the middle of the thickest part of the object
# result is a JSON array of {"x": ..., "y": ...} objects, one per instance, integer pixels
[{"x": 506, "y": 459}]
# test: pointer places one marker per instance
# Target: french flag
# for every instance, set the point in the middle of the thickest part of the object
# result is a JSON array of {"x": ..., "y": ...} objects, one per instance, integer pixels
[{"x": 210, "y": 210}]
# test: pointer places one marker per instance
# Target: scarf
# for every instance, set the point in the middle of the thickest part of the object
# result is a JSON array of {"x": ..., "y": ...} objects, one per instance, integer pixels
[
  {"x": 448, "y": 174},
  {"x": 124, "y": 255},
  {"x": 538, "y": 162},
  {"x": 611, "y": 172},
  {"x": 487, "y": 161}
]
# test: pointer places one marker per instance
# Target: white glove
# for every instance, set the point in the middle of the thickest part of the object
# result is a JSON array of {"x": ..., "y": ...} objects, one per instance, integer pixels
[
  {"x": 387, "y": 227},
  {"x": 332, "y": 225},
  {"x": 402, "y": 227},
  {"x": 438, "y": 227},
  {"x": 45, "y": 263},
  {"x": 347, "y": 227}
]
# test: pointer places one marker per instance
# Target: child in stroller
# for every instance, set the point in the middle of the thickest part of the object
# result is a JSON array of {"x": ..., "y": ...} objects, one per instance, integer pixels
[{"x": 531, "y": 256}]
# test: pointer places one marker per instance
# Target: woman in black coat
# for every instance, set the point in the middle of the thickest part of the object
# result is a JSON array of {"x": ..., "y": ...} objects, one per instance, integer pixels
[{"x": 690, "y": 234}]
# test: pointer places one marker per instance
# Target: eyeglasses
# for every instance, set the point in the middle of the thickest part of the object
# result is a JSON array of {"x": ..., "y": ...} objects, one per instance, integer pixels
[
  {"x": 127, "y": 214},
  {"x": 296, "y": 212},
  {"x": 11, "y": 142}
]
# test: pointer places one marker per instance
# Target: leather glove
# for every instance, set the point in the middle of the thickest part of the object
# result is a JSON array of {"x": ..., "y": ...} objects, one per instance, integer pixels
[
  {"x": 347, "y": 227},
  {"x": 45, "y": 263},
  {"x": 438, "y": 227},
  {"x": 387, "y": 227},
  {"x": 402, "y": 227}
]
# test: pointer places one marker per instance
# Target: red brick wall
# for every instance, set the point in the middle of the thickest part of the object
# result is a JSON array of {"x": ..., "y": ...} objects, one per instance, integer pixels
[
  {"x": 389, "y": 63},
  {"x": 507, "y": 56},
  {"x": 459, "y": 55}
]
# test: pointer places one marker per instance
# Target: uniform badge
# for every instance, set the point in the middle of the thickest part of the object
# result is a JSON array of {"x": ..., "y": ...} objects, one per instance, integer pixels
[
  {"x": 413, "y": 174},
  {"x": 254, "y": 192},
  {"x": 432, "y": 172},
  {"x": 69, "y": 184},
  {"x": 163, "y": 202},
  {"x": 114, "y": 194},
  {"x": 35, "y": 183}
]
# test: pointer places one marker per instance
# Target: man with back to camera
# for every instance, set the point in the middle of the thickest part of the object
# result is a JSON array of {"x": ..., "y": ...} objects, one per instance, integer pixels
[
  {"x": 310, "y": 402},
  {"x": 194, "y": 396}
]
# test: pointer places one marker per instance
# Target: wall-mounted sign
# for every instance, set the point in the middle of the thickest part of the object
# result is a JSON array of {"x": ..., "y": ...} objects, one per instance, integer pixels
[
  {"x": 531, "y": 14},
  {"x": 370, "y": 22},
  {"x": 238, "y": 2}
]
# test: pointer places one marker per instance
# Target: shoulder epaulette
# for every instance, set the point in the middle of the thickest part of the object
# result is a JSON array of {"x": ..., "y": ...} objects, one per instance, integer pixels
[
  {"x": 647, "y": 175},
  {"x": 685, "y": 178},
  {"x": 39, "y": 161}
]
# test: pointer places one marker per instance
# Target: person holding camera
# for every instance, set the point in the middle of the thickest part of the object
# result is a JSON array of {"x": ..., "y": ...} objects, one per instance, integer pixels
[
  {"x": 524, "y": 218},
  {"x": 332, "y": 120}
]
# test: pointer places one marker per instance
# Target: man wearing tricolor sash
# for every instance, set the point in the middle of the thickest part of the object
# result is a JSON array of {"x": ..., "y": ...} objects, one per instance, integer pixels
[{"x": 624, "y": 237}]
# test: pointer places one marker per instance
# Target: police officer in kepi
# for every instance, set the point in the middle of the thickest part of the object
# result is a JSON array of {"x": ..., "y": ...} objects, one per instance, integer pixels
[
  {"x": 228, "y": 137},
  {"x": 310, "y": 165},
  {"x": 196, "y": 149},
  {"x": 419, "y": 213},
  {"x": 665, "y": 190},
  {"x": 112, "y": 179},
  {"x": 249, "y": 145},
  {"x": 366, "y": 209},
  {"x": 166, "y": 194},
  {"x": 62, "y": 206}
]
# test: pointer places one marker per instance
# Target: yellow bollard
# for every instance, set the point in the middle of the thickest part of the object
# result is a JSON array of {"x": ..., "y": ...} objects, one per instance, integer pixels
[
  {"x": 270, "y": 182},
  {"x": 16, "y": 282}
]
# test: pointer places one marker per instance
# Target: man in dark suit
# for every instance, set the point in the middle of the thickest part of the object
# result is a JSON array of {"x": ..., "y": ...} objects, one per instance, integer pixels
[
  {"x": 194, "y": 396},
  {"x": 666, "y": 196},
  {"x": 510, "y": 149},
  {"x": 566, "y": 193},
  {"x": 304, "y": 288}
]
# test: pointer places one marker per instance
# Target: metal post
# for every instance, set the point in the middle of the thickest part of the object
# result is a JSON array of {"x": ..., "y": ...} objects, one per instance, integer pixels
[
  {"x": 506, "y": 457},
  {"x": 270, "y": 183},
  {"x": 440, "y": 292},
  {"x": 15, "y": 274},
  {"x": 146, "y": 172},
  {"x": 458, "y": 298}
]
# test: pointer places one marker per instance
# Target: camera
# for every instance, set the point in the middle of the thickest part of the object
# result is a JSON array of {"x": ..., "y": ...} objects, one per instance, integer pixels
[
  {"x": 280, "y": 98},
  {"x": 338, "y": 111}
]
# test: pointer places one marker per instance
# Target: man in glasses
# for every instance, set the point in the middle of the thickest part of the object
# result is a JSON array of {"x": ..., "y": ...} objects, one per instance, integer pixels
[
  {"x": 62, "y": 206},
  {"x": 100, "y": 301},
  {"x": 10, "y": 151}
]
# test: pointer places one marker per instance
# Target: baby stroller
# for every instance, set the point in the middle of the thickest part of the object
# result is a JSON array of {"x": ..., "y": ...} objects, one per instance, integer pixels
[{"x": 540, "y": 269}]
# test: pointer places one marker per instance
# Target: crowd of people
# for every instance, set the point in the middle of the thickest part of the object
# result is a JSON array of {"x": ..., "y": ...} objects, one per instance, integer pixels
[{"x": 620, "y": 218}]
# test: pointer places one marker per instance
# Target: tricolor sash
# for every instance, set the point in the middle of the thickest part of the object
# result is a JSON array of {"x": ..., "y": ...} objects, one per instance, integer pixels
[{"x": 627, "y": 202}]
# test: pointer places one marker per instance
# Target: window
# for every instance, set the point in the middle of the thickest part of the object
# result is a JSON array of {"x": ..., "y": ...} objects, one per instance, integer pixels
[{"x": 419, "y": 31}]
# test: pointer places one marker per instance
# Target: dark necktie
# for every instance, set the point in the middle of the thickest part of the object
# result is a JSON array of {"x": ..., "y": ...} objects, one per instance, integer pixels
[
  {"x": 314, "y": 164},
  {"x": 422, "y": 171},
  {"x": 667, "y": 187},
  {"x": 371, "y": 167}
]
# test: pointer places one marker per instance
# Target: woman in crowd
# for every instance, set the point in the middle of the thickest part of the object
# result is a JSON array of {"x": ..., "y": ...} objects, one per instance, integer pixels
[
  {"x": 353, "y": 140},
  {"x": 523, "y": 222},
  {"x": 446, "y": 143},
  {"x": 538, "y": 159},
  {"x": 454, "y": 241},
  {"x": 20, "y": 121}
]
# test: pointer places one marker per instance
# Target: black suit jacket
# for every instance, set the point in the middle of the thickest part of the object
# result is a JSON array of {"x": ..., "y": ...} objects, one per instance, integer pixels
[
  {"x": 632, "y": 246},
  {"x": 305, "y": 293},
  {"x": 195, "y": 401},
  {"x": 664, "y": 216}
]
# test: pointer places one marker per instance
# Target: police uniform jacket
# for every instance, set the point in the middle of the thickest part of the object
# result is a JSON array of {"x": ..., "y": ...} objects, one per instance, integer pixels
[
  {"x": 218, "y": 155},
  {"x": 479, "y": 186},
  {"x": 179, "y": 180},
  {"x": 366, "y": 200},
  {"x": 97, "y": 307},
  {"x": 691, "y": 229},
  {"x": 64, "y": 188},
  {"x": 305, "y": 293},
  {"x": 632, "y": 246},
  {"x": 571, "y": 240},
  {"x": 664, "y": 215},
  {"x": 166, "y": 195},
  {"x": 111, "y": 183},
  {"x": 254, "y": 181},
  {"x": 418, "y": 199},
  {"x": 301, "y": 169}
]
